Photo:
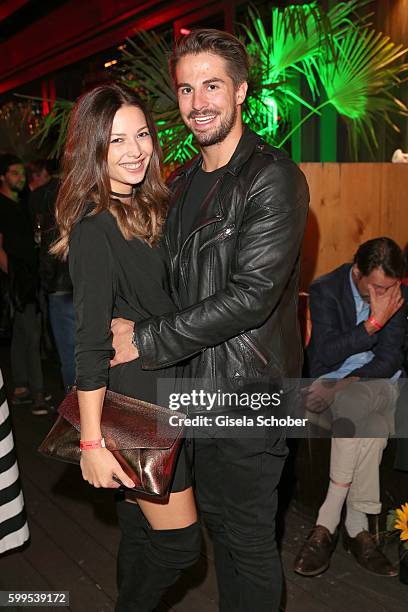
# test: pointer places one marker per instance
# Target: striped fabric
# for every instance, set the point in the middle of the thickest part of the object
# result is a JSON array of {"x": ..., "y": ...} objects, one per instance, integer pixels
[{"x": 13, "y": 522}]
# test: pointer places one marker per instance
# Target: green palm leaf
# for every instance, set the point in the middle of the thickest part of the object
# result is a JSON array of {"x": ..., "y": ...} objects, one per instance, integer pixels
[
  {"x": 145, "y": 58},
  {"x": 53, "y": 127},
  {"x": 359, "y": 82},
  {"x": 298, "y": 35}
]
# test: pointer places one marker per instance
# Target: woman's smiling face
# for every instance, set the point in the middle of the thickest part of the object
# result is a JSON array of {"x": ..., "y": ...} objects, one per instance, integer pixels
[{"x": 130, "y": 149}]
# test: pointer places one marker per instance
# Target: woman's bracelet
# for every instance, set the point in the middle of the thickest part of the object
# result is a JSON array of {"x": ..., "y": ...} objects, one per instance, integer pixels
[{"x": 91, "y": 444}]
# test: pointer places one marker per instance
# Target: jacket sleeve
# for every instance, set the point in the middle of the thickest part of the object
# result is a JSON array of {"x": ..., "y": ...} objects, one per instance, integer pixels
[
  {"x": 330, "y": 344},
  {"x": 388, "y": 351},
  {"x": 267, "y": 249}
]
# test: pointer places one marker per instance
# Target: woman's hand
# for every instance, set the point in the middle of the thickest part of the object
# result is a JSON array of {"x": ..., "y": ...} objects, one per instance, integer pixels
[{"x": 98, "y": 467}]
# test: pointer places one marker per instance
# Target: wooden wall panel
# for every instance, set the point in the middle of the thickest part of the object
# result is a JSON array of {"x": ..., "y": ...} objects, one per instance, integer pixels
[
  {"x": 351, "y": 203},
  {"x": 391, "y": 17},
  {"x": 394, "y": 201}
]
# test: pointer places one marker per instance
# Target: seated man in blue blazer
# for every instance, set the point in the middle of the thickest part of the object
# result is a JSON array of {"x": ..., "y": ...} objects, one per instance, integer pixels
[{"x": 358, "y": 328}]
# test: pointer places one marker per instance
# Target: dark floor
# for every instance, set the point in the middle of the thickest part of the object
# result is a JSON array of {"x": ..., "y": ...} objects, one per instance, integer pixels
[{"x": 74, "y": 539}]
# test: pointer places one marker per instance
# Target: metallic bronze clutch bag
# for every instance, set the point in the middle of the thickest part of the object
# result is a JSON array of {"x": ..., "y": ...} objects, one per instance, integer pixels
[{"x": 139, "y": 435}]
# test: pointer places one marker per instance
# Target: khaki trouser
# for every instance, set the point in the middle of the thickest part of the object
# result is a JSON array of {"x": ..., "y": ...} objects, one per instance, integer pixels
[{"x": 370, "y": 406}]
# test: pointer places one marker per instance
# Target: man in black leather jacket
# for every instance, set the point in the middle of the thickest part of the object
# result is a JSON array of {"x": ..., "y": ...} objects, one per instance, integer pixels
[{"x": 234, "y": 232}]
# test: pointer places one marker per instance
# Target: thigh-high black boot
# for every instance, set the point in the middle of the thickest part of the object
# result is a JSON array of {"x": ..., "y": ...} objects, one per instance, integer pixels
[
  {"x": 166, "y": 554},
  {"x": 134, "y": 528}
]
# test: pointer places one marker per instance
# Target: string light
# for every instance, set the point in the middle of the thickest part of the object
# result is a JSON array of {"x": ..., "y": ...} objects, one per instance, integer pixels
[
  {"x": 110, "y": 63},
  {"x": 22, "y": 117}
]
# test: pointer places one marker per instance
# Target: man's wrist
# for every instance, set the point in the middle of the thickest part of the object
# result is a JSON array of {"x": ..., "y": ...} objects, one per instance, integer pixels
[
  {"x": 371, "y": 319},
  {"x": 135, "y": 339},
  {"x": 371, "y": 329}
]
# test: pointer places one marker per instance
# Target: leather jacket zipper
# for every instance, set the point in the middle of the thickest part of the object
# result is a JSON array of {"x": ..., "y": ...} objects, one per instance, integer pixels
[
  {"x": 172, "y": 272},
  {"x": 254, "y": 348},
  {"x": 209, "y": 222},
  {"x": 224, "y": 234}
]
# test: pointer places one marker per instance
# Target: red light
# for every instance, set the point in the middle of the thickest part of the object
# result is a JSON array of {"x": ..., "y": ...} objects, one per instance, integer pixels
[
  {"x": 184, "y": 31},
  {"x": 45, "y": 96}
]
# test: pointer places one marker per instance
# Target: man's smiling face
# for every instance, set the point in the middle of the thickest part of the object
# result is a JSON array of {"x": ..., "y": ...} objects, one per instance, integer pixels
[{"x": 207, "y": 97}]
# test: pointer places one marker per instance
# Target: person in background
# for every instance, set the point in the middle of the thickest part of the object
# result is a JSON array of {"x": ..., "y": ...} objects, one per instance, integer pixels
[
  {"x": 358, "y": 331},
  {"x": 39, "y": 177},
  {"x": 56, "y": 283},
  {"x": 37, "y": 174},
  {"x": 18, "y": 259}
]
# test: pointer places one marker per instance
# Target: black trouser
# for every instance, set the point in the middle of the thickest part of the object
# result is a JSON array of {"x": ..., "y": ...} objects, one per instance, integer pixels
[
  {"x": 236, "y": 481},
  {"x": 25, "y": 351}
]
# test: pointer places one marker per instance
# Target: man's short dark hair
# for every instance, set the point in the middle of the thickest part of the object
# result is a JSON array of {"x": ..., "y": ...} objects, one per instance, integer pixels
[
  {"x": 227, "y": 46},
  {"x": 7, "y": 160},
  {"x": 36, "y": 167},
  {"x": 380, "y": 253}
]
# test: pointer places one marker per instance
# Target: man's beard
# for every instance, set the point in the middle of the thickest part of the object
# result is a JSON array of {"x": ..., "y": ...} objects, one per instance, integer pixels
[
  {"x": 16, "y": 188},
  {"x": 213, "y": 138}
]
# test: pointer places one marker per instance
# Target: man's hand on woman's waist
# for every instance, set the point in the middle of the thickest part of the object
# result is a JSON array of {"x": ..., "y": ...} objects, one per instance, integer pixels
[{"x": 122, "y": 342}]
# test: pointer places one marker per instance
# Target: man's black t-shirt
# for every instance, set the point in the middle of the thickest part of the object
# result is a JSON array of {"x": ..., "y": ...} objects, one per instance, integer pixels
[
  {"x": 18, "y": 242},
  {"x": 17, "y": 230},
  {"x": 201, "y": 184}
]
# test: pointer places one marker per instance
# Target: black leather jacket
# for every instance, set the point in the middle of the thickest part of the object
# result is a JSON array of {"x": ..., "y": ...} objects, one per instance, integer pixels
[
  {"x": 54, "y": 273},
  {"x": 236, "y": 275}
]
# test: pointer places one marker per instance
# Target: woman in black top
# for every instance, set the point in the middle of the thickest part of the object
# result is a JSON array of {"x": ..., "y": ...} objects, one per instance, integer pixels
[{"x": 110, "y": 212}]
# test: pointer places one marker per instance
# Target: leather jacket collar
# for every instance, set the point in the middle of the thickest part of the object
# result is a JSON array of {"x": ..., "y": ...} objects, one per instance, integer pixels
[{"x": 246, "y": 145}]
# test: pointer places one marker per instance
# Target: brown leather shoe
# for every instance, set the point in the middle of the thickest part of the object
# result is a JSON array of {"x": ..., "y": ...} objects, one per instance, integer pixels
[
  {"x": 367, "y": 554},
  {"x": 314, "y": 556}
]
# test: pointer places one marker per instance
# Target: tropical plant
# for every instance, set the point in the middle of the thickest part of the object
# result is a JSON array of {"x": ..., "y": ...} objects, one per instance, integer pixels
[
  {"x": 19, "y": 121},
  {"x": 343, "y": 62},
  {"x": 54, "y": 127},
  {"x": 359, "y": 80},
  {"x": 297, "y": 36},
  {"x": 355, "y": 68}
]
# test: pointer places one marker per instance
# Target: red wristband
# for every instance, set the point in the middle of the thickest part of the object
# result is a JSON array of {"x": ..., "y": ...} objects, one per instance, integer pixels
[
  {"x": 91, "y": 444},
  {"x": 374, "y": 322}
]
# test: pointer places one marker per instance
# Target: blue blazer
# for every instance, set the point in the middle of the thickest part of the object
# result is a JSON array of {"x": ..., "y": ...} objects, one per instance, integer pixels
[{"x": 335, "y": 335}]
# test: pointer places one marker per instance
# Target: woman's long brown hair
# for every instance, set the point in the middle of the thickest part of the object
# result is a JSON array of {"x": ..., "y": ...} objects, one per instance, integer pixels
[{"x": 86, "y": 177}]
